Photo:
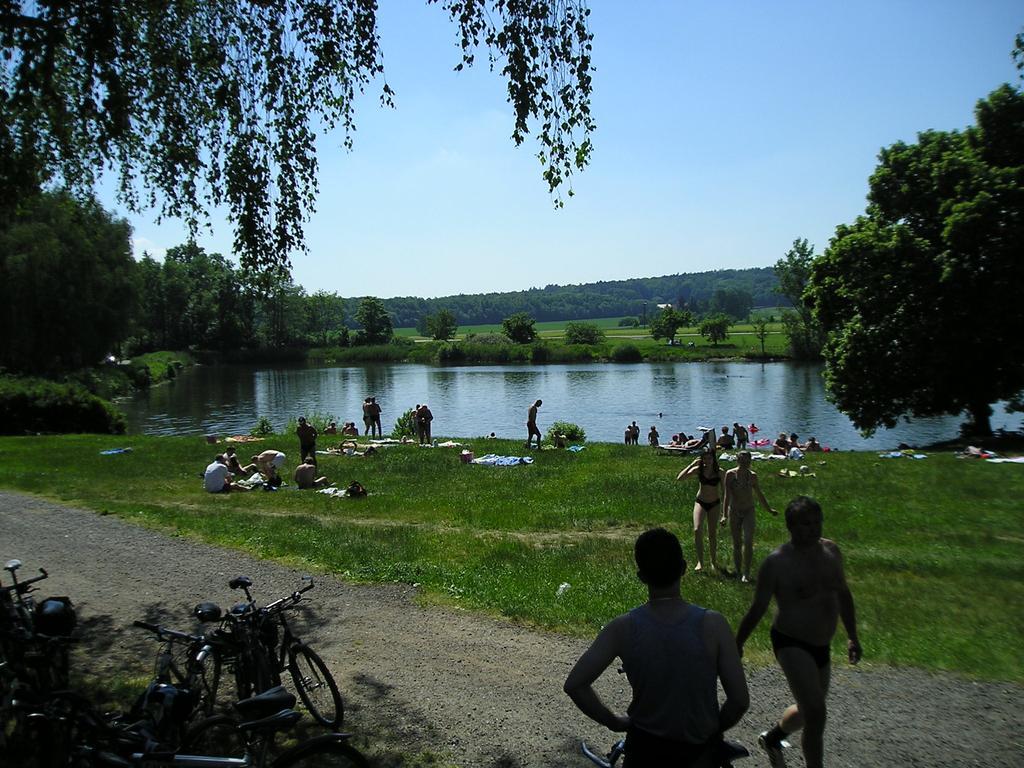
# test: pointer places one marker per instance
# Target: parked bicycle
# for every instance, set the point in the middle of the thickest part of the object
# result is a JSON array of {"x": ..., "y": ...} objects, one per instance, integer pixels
[
  {"x": 187, "y": 661},
  {"x": 264, "y": 646},
  {"x": 80, "y": 737}
]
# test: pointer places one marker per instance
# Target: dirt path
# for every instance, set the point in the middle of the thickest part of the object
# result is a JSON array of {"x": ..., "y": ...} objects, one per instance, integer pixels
[{"x": 480, "y": 692}]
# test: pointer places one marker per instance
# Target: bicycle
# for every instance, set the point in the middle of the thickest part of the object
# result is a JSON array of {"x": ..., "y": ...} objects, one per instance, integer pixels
[
  {"x": 197, "y": 669},
  {"x": 727, "y": 752},
  {"x": 267, "y": 647},
  {"x": 79, "y": 737}
]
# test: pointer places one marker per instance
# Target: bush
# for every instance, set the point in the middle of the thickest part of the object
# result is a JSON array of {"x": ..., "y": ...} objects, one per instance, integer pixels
[
  {"x": 36, "y": 405},
  {"x": 627, "y": 353},
  {"x": 263, "y": 428},
  {"x": 629, "y": 322},
  {"x": 574, "y": 433},
  {"x": 486, "y": 338},
  {"x": 583, "y": 333},
  {"x": 405, "y": 426},
  {"x": 539, "y": 353},
  {"x": 317, "y": 419}
]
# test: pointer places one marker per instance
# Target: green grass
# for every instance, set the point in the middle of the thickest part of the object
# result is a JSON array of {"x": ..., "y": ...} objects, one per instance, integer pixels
[{"x": 934, "y": 548}]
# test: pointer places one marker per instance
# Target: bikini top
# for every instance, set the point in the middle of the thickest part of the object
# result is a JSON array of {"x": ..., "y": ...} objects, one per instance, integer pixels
[{"x": 713, "y": 480}]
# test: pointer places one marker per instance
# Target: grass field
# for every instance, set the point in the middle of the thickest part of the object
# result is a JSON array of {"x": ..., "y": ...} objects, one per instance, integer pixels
[
  {"x": 553, "y": 329},
  {"x": 934, "y": 548}
]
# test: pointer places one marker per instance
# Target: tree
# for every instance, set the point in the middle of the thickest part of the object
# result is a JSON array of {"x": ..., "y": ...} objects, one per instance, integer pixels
[
  {"x": 920, "y": 297},
  {"x": 665, "y": 325},
  {"x": 67, "y": 284},
  {"x": 793, "y": 271},
  {"x": 519, "y": 328},
  {"x": 715, "y": 328},
  {"x": 583, "y": 333},
  {"x": 325, "y": 313},
  {"x": 734, "y": 302},
  {"x": 761, "y": 332},
  {"x": 220, "y": 103},
  {"x": 375, "y": 321},
  {"x": 442, "y": 326}
]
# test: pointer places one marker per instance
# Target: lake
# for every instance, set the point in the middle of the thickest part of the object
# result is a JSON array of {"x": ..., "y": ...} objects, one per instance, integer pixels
[{"x": 470, "y": 401}]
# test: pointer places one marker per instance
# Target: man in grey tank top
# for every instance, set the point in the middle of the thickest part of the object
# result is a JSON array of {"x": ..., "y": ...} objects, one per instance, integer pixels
[{"x": 674, "y": 654}]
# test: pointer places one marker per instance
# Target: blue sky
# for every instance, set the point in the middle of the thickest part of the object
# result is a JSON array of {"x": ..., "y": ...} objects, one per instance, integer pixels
[{"x": 725, "y": 130}]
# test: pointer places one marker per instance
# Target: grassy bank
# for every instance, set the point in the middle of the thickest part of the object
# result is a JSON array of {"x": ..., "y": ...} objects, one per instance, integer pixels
[{"x": 934, "y": 548}]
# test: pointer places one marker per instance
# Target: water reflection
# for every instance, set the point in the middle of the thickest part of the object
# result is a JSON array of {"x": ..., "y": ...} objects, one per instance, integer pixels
[{"x": 469, "y": 401}]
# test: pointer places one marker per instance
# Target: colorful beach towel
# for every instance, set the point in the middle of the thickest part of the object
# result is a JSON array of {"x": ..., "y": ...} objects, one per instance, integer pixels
[{"x": 494, "y": 460}]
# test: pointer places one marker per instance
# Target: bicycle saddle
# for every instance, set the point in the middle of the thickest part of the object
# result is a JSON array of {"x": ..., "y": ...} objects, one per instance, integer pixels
[
  {"x": 240, "y": 582},
  {"x": 265, "y": 704},
  {"x": 12, "y": 565}
]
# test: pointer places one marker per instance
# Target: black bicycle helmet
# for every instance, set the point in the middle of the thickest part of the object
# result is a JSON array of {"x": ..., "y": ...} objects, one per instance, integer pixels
[
  {"x": 207, "y": 612},
  {"x": 55, "y": 616}
]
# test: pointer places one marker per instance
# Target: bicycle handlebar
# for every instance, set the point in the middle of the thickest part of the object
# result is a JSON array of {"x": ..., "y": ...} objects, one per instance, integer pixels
[
  {"x": 163, "y": 632},
  {"x": 286, "y": 602},
  {"x": 21, "y": 587}
]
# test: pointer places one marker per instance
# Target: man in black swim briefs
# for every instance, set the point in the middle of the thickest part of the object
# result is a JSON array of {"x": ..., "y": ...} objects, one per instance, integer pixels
[{"x": 805, "y": 576}]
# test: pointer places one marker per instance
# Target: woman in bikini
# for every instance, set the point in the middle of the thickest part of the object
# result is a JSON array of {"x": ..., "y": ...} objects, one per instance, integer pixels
[{"x": 708, "y": 498}]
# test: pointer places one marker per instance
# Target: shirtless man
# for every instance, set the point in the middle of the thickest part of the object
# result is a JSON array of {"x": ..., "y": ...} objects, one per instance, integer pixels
[
  {"x": 806, "y": 578},
  {"x": 531, "y": 423},
  {"x": 738, "y": 508},
  {"x": 305, "y": 477}
]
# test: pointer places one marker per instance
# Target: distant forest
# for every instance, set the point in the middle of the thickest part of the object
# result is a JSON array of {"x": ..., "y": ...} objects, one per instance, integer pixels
[{"x": 733, "y": 291}]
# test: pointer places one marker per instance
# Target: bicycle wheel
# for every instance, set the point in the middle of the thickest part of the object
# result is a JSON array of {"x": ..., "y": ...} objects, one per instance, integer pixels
[
  {"x": 322, "y": 752},
  {"x": 315, "y": 686},
  {"x": 217, "y": 736},
  {"x": 204, "y": 679}
]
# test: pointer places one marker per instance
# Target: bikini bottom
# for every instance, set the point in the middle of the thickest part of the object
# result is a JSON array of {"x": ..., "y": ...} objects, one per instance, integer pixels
[
  {"x": 707, "y": 506},
  {"x": 820, "y": 653}
]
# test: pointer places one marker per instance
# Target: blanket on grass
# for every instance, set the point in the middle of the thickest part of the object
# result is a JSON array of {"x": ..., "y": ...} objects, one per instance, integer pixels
[{"x": 494, "y": 460}]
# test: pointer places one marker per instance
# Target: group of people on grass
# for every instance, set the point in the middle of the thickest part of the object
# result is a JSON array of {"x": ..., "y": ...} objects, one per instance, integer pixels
[{"x": 675, "y": 653}]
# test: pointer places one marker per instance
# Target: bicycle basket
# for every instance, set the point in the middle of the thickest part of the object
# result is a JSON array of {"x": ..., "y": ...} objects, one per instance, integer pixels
[{"x": 55, "y": 617}]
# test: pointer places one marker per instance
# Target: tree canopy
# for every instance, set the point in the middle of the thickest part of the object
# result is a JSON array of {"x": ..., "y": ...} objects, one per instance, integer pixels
[
  {"x": 66, "y": 284},
  {"x": 667, "y": 323},
  {"x": 715, "y": 328},
  {"x": 793, "y": 271},
  {"x": 375, "y": 321},
  {"x": 209, "y": 104},
  {"x": 920, "y": 296},
  {"x": 519, "y": 328}
]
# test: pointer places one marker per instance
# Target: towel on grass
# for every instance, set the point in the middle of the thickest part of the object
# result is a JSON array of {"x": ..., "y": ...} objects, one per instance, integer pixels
[
  {"x": 575, "y": 448},
  {"x": 112, "y": 451},
  {"x": 494, "y": 460},
  {"x": 902, "y": 455}
]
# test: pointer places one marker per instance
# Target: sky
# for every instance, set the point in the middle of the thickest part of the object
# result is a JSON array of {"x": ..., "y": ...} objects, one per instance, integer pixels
[{"x": 725, "y": 131}]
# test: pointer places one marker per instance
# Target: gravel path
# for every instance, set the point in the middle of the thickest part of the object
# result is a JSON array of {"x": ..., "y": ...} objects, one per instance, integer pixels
[{"x": 478, "y": 691}]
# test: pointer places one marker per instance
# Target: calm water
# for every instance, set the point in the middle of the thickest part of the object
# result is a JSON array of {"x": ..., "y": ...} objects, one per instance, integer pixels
[{"x": 476, "y": 400}]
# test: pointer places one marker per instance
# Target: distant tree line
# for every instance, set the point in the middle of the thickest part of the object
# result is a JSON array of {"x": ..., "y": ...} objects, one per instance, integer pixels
[{"x": 732, "y": 292}]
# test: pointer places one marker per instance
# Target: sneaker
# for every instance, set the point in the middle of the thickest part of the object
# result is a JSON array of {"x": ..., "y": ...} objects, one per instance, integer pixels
[{"x": 773, "y": 749}]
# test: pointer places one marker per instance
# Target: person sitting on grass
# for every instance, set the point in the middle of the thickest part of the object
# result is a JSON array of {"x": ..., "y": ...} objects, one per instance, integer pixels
[
  {"x": 726, "y": 441},
  {"x": 350, "y": 429},
  {"x": 781, "y": 445},
  {"x": 232, "y": 461},
  {"x": 305, "y": 477},
  {"x": 812, "y": 445},
  {"x": 217, "y": 477}
]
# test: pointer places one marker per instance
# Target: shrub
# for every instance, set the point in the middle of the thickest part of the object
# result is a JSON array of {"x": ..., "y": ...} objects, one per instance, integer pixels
[
  {"x": 539, "y": 353},
  {"x": 583, "y": 333},
  {"x": 573, "y": 432},
  {"x": 486, "y": 338},
  {"x": 629, "y": 322},
  {"x": 263, "y": 428},
  {"x": 36, "y": 405},
  {"x": 627, "y": 353},
  {"x": 317, "y": 419},
  {"x": 405, "y": 426}
]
